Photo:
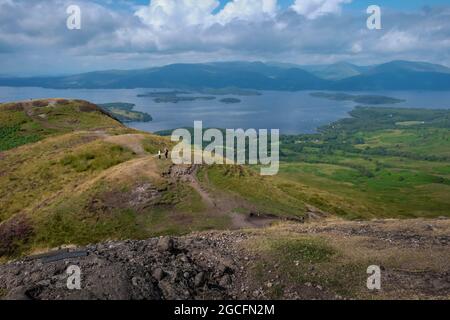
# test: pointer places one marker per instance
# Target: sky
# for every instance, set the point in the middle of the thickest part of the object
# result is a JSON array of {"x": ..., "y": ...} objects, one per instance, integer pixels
[{"x": 132, "y": 34}]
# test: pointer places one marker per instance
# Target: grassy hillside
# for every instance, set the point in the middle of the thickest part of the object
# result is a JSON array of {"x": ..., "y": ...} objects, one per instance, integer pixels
[
  {"x": 329, "y": 259},
  {"x": 31, "y": 121},
  {"x": 379, "y": 163},
  {"x": 280, "y": 195},
  {"x": 71, "y": 174}
]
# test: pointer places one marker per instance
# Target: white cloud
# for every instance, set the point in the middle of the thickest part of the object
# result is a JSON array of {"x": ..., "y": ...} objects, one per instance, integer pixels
[
  {"x": 249, "y": 10},
  {"x": 177, "y": 14},
  {"x": 357, "y": 48},
  {"x": 396, "y": 41},
  {"x": 167, "y": 31},
  {"x": 169, "y": 14},
  {"x": 313, "y": 9}
]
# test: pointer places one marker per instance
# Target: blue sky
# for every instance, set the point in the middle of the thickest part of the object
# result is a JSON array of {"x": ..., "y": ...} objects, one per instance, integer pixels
[
  {"x": 125, "y": 34},
  {"x": 398, "y": 4}
]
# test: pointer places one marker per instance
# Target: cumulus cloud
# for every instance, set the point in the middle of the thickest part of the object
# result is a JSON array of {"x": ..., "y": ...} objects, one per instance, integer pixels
[
  {"x": 249, "y": 10},
  {"x": 172, "y": 14},
  {"x": 34, "y": 37},
  {"x": 316, "y": 8},
  {"x": 175, "y": 25},
  {"x": 177, "y": 13},
  {"x": 397, "y": 41}
]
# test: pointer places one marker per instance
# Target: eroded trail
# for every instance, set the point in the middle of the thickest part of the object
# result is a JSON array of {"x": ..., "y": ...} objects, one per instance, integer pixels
[{"x": 218, "y": 205}]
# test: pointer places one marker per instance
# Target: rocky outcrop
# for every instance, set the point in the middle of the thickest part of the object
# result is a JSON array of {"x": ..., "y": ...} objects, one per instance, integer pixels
[
  {"x": 316, "y": 260},
  {"x": 195, "y": 267}
]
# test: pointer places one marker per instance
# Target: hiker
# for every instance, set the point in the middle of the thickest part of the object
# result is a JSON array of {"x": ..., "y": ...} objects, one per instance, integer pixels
[
  {"x": 159, "y": 154},
  {"x": 166, "y": 153}
]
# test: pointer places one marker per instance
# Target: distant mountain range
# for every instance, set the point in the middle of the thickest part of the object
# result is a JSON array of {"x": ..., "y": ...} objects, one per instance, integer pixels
[
  {"x": 336, "y": 71},
  {"x": 395, "y": 75}
]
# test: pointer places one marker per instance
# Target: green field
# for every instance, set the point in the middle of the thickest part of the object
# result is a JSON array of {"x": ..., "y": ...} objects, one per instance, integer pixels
[{"x": 392, "y": 170}]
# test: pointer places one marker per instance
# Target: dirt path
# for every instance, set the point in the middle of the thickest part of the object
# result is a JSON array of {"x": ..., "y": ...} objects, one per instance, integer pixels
[
  {"x": 32, "y": 111},
  {"x": 219, "y": 205}
]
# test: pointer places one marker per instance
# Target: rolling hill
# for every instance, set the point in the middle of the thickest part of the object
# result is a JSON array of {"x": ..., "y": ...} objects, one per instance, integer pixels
[
  {"x": 399, "y": 75},
  {"x": 396, "y": 75},
  {"x": 407, "y": 66},
  {"x": 336, "y": 71},
  {"x": 78, "y": 187},
  {"x": 193, "y": 76},
  {"x": 72, "y": 174}
]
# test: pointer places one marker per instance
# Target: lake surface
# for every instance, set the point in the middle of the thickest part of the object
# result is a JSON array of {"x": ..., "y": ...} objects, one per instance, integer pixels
[{"x": 291, "y": 112}]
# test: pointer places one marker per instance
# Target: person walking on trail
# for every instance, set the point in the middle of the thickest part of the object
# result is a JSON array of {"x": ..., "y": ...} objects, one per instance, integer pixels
[
  {"x": 166, "y": 153},
  {"x": 159, "y": 154}
]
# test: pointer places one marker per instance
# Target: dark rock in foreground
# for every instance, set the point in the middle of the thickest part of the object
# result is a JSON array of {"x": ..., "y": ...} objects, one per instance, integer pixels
[{"x": 195, "y": 267}]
